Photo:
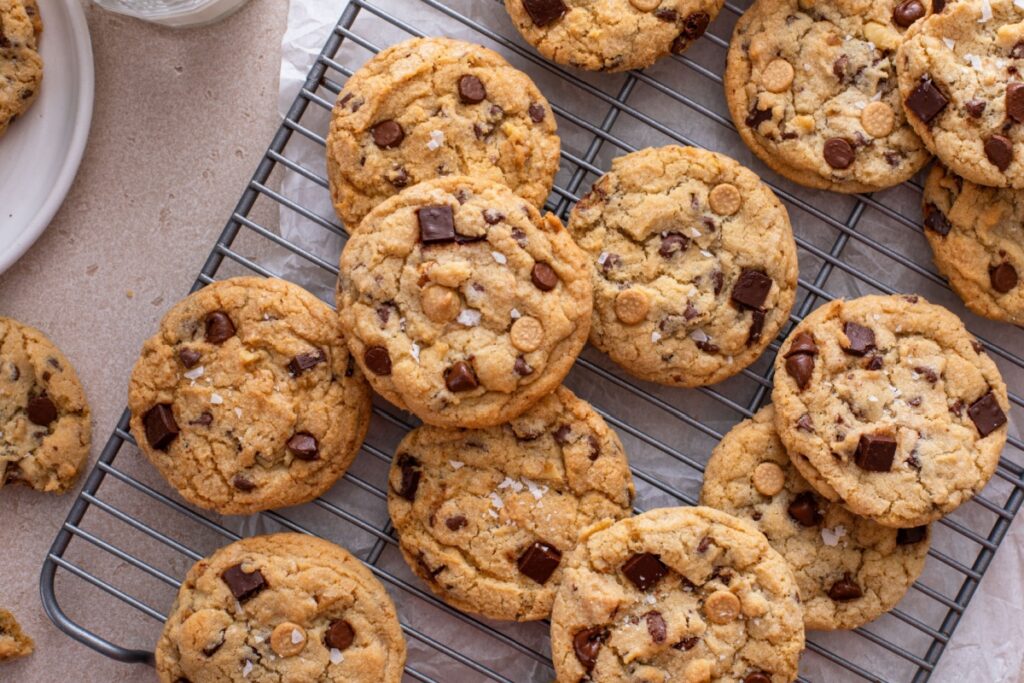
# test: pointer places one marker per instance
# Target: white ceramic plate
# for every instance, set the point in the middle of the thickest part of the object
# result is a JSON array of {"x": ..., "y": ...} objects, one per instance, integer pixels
[{"x": 40, "y": 153}]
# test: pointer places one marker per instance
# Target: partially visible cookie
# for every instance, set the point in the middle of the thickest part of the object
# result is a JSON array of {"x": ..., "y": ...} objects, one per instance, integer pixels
[
  {"x": 45, "y": 424},
  {"x": 21, "y": 67},
  {"x": 32, "y": 10},
  {"x": 977, "y": 238},
  {"x": 611, "y": 35},
  {"x": 812, "y": 89},
  {"x": 894, "y": 404},
  {"x": 13, "y": 641},
  {"x": 693, "y": 261},
  {"x": 487, "y": 516},
  {"x": 462, "y": 303},
  {"x": 433, "y": 107},
  {"x": 676, "y": 594},
  {"x": 849, "y": 570},
  {"x": 247, "y": 398},
  {"x": 284, "y": 607}
]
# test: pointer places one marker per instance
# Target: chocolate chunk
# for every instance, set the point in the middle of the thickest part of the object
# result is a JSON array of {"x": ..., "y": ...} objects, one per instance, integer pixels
[
  {"x": 999, "y": 150},
  {"x": 758, "y": 677},
  {"x": 242, "y": 584},
  {"x": 751, "y": 288},
  {"x": 211, "y": 650},
  {"x": 243, "y": 484},
  {"x": 304, "y": 361},
  {"x": 410, "y": 476},
  {"x": 707, "y": 347},
  {"x": 694, "y": 26},
  {"x": 935, "y": 220},
  {"x": 938, "y": 6},
  {"x": 986, "y": 414},
  {"x": 667, "y": 15},
  {"x": 756, "y": 327},
  {"x": 205, "y": 419},
  {"x": 687, "y": 643},
  {"x": 804, "y": 509},
  {"x": 656, "y": 626},
  {"x": 544, "y": 12},
  {"x": 926, "y": 100},
  {"x": 644, "y": 570},
  {"x": 460, "y": 377},
  {"x": 587, "y": 643},
  {"x": 1015, "y": 101},
  {"x": 161, "y": 429},
  {"x": 303, "y": 446},
  {"x": 539, "y": 561},
  {"x": 521, "y": 367},
  {"x": 907, "y": 12},
  {"x": 456, "y": 522},
  {"x": 673, "y": 243},
  {"x": 802, "y": 343},
  {"x": 41, "y": 410},
  {"x": 957, "y": 408},
  {"x": 975, "y": 107},
  {"x": 561, "y": 435},
  {"x": 340, "y": 635},
  {"x": 437, "y": 224},
  {"x": 874, "y": 363},
  {"x": 718, "y": 278},
  {"x": 219, "y": 327},
  {"x": 1017, "y": 51},
  {"x": 543, "y": 276},
  {"x": 845, "y": 589},
  {"x": 912, "y": 535},
  {"x": 537, "y": 112},
  {"x": 805, "y": 423},
  {"x": 758, "y": 116},
  {"x": 384, "y": 312},
  {"x": 493, "y": 216},
  {"x": 1003, "y": 277},
  {"x": 839, "y": 66},
  {"x": 377, "y": 360},
  {"x": 188, "y": 357},
  {"x": 875, "y": 452},
  {"x": 930, "y": 375},
  {"x": 838, "y": 153},
  {"x": 704, "y": 544},
  {"x": 400, "y": 177},
  {"x": 387, "y": 134},
  {"x": 862, "y": 339},
  {"x": 472, "y": 90},
  {"x": 800, "y": 367}
]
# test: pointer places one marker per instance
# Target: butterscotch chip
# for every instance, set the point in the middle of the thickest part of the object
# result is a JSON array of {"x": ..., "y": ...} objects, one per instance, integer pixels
[
  {"x": 631, "y": 306},
  {"x": 288, "y": 639},
  {"x": 769, "y": 478},
  {"x": 777, "y": 76},
  {"x": 440, "y": 304},
  {"x": 527, "y": 334},
  {"x": 721, "y": 607},
  {"x": 698, "y": 671},
  {"x": 725, "y": 199},
  {"x": 645, "y": 5},
  {"x": 878, "y": 119}
]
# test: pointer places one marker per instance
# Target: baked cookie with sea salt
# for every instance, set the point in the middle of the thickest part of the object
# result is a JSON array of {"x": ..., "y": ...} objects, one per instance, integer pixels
[{"x": 21, "y": 67}]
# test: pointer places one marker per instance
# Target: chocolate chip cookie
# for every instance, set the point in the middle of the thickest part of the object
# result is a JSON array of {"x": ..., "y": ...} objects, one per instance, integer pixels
[
  {"x": 848, "y": 569},
  {"x": 462, "y": 303},
  {"x": 433, "y": 107},
  {"x": 977, "y": 240},
  {"x": 693, "y": 261},
  {"x": 611, "y": 35},
  {"x": 676, "y": 594},
  {"x": 486, "y": 516},
  {"x": 959, "y": 80},
  {"x": 812, "y": 90},
  {"x": 894, "y": 404},
  {"x": 13, "y": 641},
  {"x": 21, "y": 67},
  {"x": 247, "y": 398},
  {"x": 45, "y": 424},
  {"x": 284, "y": 607}
]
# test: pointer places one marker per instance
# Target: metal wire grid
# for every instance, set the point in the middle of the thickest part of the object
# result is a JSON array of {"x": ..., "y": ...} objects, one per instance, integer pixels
[{"x": 90, "y": 550}]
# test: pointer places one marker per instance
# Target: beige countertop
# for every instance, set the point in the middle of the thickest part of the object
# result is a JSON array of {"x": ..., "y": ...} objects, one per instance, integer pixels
[{"x": 181, "y": 119}]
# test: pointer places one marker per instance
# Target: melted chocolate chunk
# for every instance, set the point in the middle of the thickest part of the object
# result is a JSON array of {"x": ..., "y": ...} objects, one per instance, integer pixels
[
  {"x": 800, "y": 367},
  {"x": 756, "y": 327},
  {"x": 845, "y": 589},
  {"x": 242, "y": 584},
  {"x": 411, "y": 474},
  {"x": 758, "y": 116},
  {"x": 986, "y": 414},
  {"x": 751, "y": 288},
  {"x": 862, "y": 339},
  {"x": 539, "y": 561},
  {"x": 804, "y": 509},
  {"x": 42, "y": 411},
  {"x": 377, "y": 360},
  {"x": 456, "y": 522},
  {"x": 673, "y": 243},
  {"x": 838, "y": 153},
  {"x": 460, "y": 377},
  {"x": 1015, "y": 101},
  {"x": 304, "y": 446},
  {"x": 926, "y": 101},
  {"x": 644, "y": 570},
  {"x": 656, "y": 626},
  {"x": 305, "y": 361},
  {"x": 472, "y": 90},
  {"x": 544, "y": 12},
  {"x": 975, "y": 107},
  {"x": 907, "y": 12},
  {"x": 912, "y": 535},
  {"x": 161, "y": 428},
  {"x": 537, "y": 112},
  {"x": 999, "y": 150},
  {"x": 875, "y": 452},
  {"x": 189, "y": 357},
  {"x": 587, "y": 643},
  {"x": 437, "y": 224},
  {"x": 935, "y": 220},
  {"x": 219, "y": 327}
]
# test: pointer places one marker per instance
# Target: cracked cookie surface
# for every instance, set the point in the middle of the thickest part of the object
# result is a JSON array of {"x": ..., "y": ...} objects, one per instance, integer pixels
[
  {"x": 431, "y": 107},
  {"x": 693, "y": 262},
  {"x": 247, "y": 398},
  {"x": 45, "y": 424},
  {"x": 894, "y": 405},
  {"x": 21, "y": 67},
  {"x": 462, "y": 303},
  {"x": 611, "y": 35},
  {"x": 849, "y": 569},
  {"x": 977, "y": 238},
  {"x": 14, "y": 642},
  {"x": 486, "y": 517},
  {"x": 277, "y": 609},
  {"x": 812, "y": 89},
  {"x": 676, "y": 594}
]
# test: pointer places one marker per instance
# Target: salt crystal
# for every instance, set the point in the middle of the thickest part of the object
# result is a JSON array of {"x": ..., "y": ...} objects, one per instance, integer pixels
[
  {"x": 877, "y": 97},
  {"x": 873, "y": 399},
  {"x": 195, "y": 373},
  {"x": 496, "y": 500},
  {"x": 694, "y": 232},
  {"x": 456, "y": 464},
  {"x": 216, "y": 399},
  {"x": 247, "y": 669},
  {"x": 499, "y": 257},
  {"x": 296, "y": 636},
  {"x": 414, "y": 350},
  {"x": 655, "y": 336},
  {"x": 436, "y": 140},
  {"x": 602, "y": 258},
  {"x": 238, "y": 413},
  {"x": 699, "y": 336},
  {"x": 950, "y": 43},
  {"x": 536, "y": 490},
  {"x": 469, "y": 317},
  {"x": 650, "y": 599},
  {"x": 986, "y": 11},
  {"x": 509, "y": 483},
  {"x": 830, "y": 537},
  {"x": 706, "y": 253},
  {"x": 336, "y": 656},
  {"x": 515, "y": 314}
]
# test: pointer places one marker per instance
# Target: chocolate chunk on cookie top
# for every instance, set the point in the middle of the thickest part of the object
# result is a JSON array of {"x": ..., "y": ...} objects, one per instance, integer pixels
[
  {"x": 693, "y": 262},
  {"x": 432, "y": 107},
  {"x": 676, "y": 594},
  {"x": 247, "y": 398},
  {"x": 284, "y": 607},
  {"x": 462, "y": 303},
  {"x": 898, "y": 413},
  {"x": 486, "y": 517},
  {"x": 812, "y": 89}
]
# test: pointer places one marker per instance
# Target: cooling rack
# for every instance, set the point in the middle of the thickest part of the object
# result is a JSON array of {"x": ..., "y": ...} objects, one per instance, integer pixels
[{"x": 128, "y": 540}]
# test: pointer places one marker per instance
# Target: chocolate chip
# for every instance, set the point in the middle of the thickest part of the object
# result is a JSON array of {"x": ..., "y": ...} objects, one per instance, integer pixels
[
  {"x": 410, "y": 476},
  {"x": 242, "y": 584},
  {"x": 377, "y": 360},
  {"x": 644, "y": 570},
  {"x": 205, "y": 419},
  {"x": 687, "y": 643},
  {"x": 41, "y": 410},
  {"x": 875, "y": 452},
  {"x": 804, "y": 509},
  {"x": 456, "y": 522},
  {"x": 839, "y": 66},
  {"x": 561, "y": 435},
  {"x": 539, "y": 561},
  {"x": 935, "y": 220},
  {"x": 587, "y": 643},
  {"x": 384, "y": 312},
  {"x": 707, "y": 347},
  {"x": 387, "y": 134},
  {"x": 912, "y": 535},
  {"x": 957, "y": 408},
  {"x": 340, "y": 635},
  {"x": 161, "y": 429},
  {"x": 800, "y": 367},
  {"x": 656, "y": 626},
  {"x": 304, "y": 361},
  {"x": 15, "y": 373},
  {"x": 986, "y": 414},
  {"x": 805, "y": 423},
  {"x": 1003, "y": 277},
  {"x": 493, "y": 216},
  {"x": 757, "y": 116},
  {"x": 999, "y": 150},
  {"x": 907, "y": 12},
  {"x": 803, "y": 343},
  {"x": 399, "y": 178},
  {"x": 243, "y": 484},
  {"x": 521, "y": 367},
  {"x": 758, "y": 677},
  {"x": 938, "y": 6},
  {"x": 544, "y": 12},
  {"x": 437, "y": 224},
  {"x": 838, "y": 153},
  {"x": 673, "y": 243},
  {"x": 862, "y": 339},
  {"x": 219, "y": 327},
  {"x": 874, "y": 362},
  {"x": 756, "y": 327},
  {"x": 718, "y": 278},
  {"x": 926, "y": 100},
  {"x": 460, "y": 377},
  {"x": 751, "y": 288},
  {"x": 1015, "y": 101},
  {"x": 694, "y": 26},
  {"x": 704, "y": 544},
  {"x": 543, "y": 276},
  {"x": 667, "y": 15},
  {"x": 303, "y": 446},
  {"x": 471, "y": 90},
  {"x": 975, "y": 107},
  {"x": 930, "y": 375},
  {"x": 188, "y": 357},
  {"x": 537, "y": 112},
  {"x": 1017, "y": 51},
  {"x": 845, "y": 589}
]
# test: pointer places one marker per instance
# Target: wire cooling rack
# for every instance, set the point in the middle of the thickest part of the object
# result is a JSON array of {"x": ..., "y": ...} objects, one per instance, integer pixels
[{"x": 128, "y": 541}]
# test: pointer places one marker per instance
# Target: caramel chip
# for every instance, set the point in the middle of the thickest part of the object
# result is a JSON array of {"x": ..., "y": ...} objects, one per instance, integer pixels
[
  {"x": 878, "y": 119},
  {"x": 288, "y": 639},
  {"x": 721, "y": 607},
  {"x": 440, "y": 304},
  {"x": 631, "y": 306},
  {"x": 768, "y": 478},
  {"x": 527, "y": 334},
  {"x": 777, "y": 76},
  {"x": 725, "y": 199}
]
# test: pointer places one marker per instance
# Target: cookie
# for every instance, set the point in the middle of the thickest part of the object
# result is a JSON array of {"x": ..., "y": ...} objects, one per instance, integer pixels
[
  {"x": 284, "y": 607},
  {"x": 812, "y": 91},
  {"x": 432, "y": 107},
  {"x": 894, "y": 404},
  {"x": 848, "y": 569},
  {"x": 32, "y": 10},
  {"x": 485, "y": 516},
  {"x": 676, "y": 594},
  {"x": 959, "y": 80},
  {"x": 462, "y": 303},
  {"x": 611, "y": 35},
  {"x": 247, "y": 398},
  {"x": 693, "y": 261},
  {"x": 977, "y": 241},
  {"x": 45, "y": 424},
  {"x": 13, "y": 641},
  {"x": 21, "y": 67}
]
